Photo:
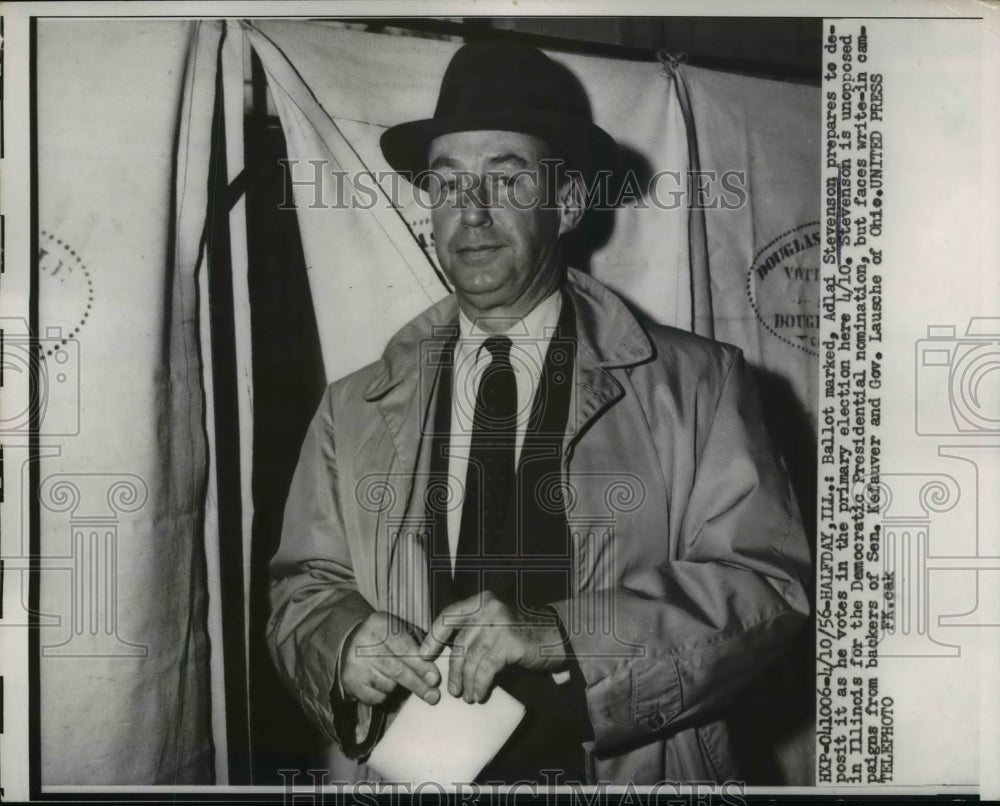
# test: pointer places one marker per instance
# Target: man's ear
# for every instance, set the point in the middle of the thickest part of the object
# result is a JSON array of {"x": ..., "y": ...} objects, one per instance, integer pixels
[{"x": 571, "y": 201}]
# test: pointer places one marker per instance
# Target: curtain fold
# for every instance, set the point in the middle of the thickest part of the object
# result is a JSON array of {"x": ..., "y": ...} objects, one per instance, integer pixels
[
  {"x": 125, "y": 674},
  {"x": 227, "y": 377},
  {"x": 762, "y": 241},
  {"x": 702, "y": 322},
  {"x": 233, "y": 71},
  {"x": 359, "y": 254}
]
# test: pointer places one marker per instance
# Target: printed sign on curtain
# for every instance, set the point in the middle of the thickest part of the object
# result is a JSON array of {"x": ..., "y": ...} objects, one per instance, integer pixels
[{"x": 763, "y": 253}]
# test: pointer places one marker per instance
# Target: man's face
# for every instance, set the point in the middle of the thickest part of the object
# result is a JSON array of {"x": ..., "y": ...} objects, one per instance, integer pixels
[{"x": 496, "y": 223}]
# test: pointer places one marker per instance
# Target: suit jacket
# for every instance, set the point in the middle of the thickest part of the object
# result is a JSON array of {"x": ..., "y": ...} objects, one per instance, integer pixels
[{"x": 689, "y": 558}]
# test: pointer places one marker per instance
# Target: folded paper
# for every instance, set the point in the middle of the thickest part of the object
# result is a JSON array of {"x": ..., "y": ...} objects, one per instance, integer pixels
[{"x": 448, "y": 743}]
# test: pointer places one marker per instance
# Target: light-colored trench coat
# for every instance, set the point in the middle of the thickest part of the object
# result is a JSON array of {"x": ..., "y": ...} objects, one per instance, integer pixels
[{"x": 689, "y": 555}]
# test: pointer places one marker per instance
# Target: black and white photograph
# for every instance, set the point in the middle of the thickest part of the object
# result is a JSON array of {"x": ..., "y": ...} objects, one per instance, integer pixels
[{"x": 549, "y": 404}]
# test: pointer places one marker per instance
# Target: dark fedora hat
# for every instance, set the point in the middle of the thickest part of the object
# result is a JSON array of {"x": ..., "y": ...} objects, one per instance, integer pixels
[{"x": 505, "y": 87}]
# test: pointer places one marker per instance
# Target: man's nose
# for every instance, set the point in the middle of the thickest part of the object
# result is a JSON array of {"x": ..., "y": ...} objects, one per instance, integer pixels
[{"x": 475, "y": 204}]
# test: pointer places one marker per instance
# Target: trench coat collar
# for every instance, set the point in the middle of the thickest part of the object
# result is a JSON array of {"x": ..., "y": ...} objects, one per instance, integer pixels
[{"x": 609, "y": 335}]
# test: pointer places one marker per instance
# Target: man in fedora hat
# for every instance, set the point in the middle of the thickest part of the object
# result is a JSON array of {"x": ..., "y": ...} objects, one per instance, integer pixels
[{"x": 585, "y": 508}]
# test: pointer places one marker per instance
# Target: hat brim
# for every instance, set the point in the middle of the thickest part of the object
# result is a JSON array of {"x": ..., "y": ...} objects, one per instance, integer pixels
[{"x": 584, "y": 145}]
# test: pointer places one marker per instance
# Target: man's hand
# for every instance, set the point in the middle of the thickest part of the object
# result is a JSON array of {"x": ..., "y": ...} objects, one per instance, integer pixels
[
  {"x": 489, "y": 636},
  {"x": 381, "y": 654}
]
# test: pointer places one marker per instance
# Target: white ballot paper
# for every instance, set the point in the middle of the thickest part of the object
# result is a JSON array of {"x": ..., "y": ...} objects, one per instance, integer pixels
[{"x": 449, "y": 742}]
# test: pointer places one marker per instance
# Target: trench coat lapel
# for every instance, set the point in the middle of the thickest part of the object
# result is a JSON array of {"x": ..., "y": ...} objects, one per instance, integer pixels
[
  {"x": 608, "y": 336},
  {"x": 403, "y": 392}
]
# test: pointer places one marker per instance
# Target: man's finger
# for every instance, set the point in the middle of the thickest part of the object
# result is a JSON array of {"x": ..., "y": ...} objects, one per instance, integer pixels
[
  {"x": 474, "y": 654},
  {"x": 486, "y": 672},
  {"x": 381, "y": 682},
  {"x": 456, "y": 664},
  {"x": 438, "y": 635},
  {"x": 465, "y": 639},
  {"x": 482, "y": 663},
  {"x": 408, "y": 679},
  {"x": 371, "y": 696},
  {"x": 423, "y": 669},
  {"x": 452, "y": 618},
  {"x": 405, "y": 651}
]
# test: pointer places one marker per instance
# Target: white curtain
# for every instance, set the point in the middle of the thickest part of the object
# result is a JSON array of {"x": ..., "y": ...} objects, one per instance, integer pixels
[
  {"x": 124, "y": 131},
  {"x": 763, "y": 252}
]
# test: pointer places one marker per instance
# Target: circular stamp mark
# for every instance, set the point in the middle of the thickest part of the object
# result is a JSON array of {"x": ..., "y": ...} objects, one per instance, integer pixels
[
  {"x": 66, "y": 295},
  {"x": 783, "y": 287}
]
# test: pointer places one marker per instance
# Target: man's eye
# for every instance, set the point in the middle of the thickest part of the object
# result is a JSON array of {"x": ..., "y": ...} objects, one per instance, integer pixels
[{"x": 444, "y": 185}]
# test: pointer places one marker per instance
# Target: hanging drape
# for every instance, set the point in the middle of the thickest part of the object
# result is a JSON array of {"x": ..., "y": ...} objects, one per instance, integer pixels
[
  {"x": 762, "y": 252},
  {"x": 124, "y": 132}
]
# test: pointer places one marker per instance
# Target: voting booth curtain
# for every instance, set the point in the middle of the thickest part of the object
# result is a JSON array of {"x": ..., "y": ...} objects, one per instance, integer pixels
[{"x": 200, "y": 344}]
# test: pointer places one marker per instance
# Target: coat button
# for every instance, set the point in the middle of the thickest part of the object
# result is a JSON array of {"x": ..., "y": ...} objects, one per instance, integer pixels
[{"x": 657, "y": 721}]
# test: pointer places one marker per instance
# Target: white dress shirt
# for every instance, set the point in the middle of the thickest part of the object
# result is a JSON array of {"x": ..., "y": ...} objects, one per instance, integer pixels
[{"x": 530, "y": 339}]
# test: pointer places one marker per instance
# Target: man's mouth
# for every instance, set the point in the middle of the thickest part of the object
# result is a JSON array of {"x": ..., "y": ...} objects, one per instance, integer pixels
[{"x": 481, "y": 253}]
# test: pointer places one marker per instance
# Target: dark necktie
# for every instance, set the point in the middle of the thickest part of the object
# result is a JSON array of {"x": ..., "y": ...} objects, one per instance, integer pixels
[{"x": 489, "y": 480}]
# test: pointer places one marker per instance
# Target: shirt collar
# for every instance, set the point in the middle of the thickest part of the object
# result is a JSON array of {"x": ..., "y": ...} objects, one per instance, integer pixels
[
  {"x": 609, "y": 335},
  {"x": 539, "y": 323}
]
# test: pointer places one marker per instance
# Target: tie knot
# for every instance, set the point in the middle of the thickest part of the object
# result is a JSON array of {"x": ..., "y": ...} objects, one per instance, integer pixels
[{"x": 499, "y": 348}]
